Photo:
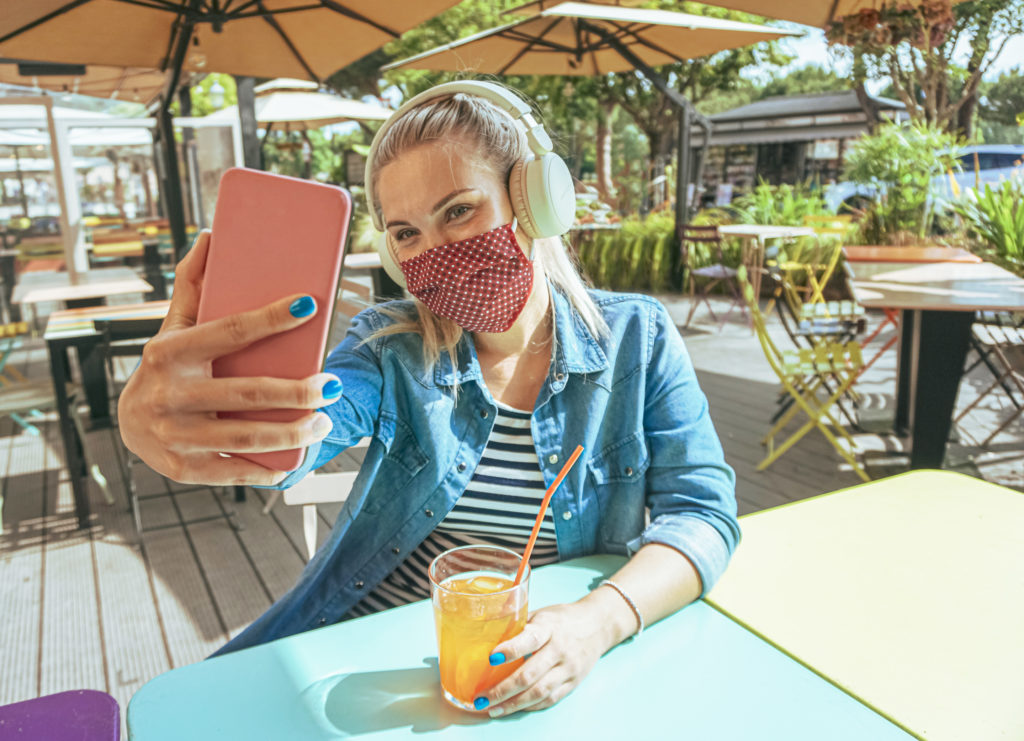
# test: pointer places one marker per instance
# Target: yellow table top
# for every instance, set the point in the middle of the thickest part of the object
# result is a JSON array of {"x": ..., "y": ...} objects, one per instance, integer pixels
[{"x": 906, "y": 592}]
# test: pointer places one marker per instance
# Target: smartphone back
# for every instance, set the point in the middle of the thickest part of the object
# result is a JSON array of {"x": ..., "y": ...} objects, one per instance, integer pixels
[{"x": 274, "y": 236}]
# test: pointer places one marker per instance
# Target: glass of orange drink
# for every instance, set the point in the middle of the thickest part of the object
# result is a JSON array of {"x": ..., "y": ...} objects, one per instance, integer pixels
[{"x": 477, "y": 605}]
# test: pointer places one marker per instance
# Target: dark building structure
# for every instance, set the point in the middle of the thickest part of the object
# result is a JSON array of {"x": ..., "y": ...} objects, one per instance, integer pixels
[{"x": 785, "y": 139}]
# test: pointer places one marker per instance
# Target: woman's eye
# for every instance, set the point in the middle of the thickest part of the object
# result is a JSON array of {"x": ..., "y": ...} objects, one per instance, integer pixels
[
  {"x": 456, "y": 211},
  {"x": 404, "y": 234}
]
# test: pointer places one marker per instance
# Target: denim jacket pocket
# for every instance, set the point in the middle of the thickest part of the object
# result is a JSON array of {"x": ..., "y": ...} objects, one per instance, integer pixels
[
  {"x": 401, "y": 459},
  {"x": 621, "y": 462},
  {"x": 617, "y": 472}
]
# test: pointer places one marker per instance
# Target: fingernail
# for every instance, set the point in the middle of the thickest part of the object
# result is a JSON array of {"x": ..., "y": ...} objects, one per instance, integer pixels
[
  {"x": 481, "y": 702},
  {"x": 332, "y": 389},
  {"x": 497, "y": 658},
  {"x": 302, "y": 307},
  {"x": 496, "y": 712}
]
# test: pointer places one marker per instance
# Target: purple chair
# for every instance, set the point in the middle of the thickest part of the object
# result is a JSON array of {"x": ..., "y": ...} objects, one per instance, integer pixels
[{"x": 78, "y": 715}]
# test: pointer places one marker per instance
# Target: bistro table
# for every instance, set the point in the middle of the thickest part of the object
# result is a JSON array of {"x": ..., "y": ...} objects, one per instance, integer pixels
[
  {"x": 904, "y": 592},
  {"x": 92, "y": 287},
  {"x": 695, "y": 675},
  {"x": 936, "y": 301},
  {"x": 754, "y": 237},
  {"x": 76, "y": 328}
]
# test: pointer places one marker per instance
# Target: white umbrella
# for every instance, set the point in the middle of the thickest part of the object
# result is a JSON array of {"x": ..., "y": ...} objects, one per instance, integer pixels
[
  {"x": 585, "y": 39},
  {"x": 298, "y": 109}
]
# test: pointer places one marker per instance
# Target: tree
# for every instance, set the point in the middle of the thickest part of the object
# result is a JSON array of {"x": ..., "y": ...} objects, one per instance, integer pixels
[
  {"x": 809, "y": 79},
  {"x": 1004, "y": 99},
  {"x": 914, "y": 47}
]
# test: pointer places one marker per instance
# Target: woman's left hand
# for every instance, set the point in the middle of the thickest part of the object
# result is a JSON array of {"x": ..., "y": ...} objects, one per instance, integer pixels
[{"x": 565, "y": 642}]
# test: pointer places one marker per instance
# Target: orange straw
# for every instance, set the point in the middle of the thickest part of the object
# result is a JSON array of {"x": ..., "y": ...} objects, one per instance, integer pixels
[{"x": 544, "y": 508}]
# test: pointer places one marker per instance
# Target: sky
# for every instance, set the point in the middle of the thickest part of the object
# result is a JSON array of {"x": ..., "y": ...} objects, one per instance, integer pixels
[{"x": 812, "y": 49}]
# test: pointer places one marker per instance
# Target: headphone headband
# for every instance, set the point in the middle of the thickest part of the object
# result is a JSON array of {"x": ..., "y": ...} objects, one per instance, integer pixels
[{"x": 537, "y": 138}]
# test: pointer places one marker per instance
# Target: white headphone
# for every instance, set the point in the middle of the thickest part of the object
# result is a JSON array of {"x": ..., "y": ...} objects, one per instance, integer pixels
[{"x": 540, "y": 187}]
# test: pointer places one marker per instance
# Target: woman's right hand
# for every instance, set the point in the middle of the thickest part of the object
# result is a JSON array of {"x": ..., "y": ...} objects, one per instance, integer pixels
[{"x": 167, "y": 412}]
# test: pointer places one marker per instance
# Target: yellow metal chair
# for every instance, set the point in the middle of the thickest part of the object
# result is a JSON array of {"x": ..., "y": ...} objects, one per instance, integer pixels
[{"x": 806, "y": 374}]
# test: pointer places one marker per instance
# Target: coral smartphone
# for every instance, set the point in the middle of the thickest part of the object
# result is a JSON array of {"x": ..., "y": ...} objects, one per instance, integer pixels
[{"x": 274, "y": 236}]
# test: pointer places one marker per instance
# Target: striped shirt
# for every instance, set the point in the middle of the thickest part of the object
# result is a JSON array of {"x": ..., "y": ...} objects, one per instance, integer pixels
[{"x": 498, "y": 507}]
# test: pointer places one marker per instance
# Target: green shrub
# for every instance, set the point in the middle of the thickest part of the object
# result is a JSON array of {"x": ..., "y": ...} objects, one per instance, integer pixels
[
  {"x": 995, "y": 216},
  {"x": 899, "y": 161},
  {"x": 779, "y": 205}
]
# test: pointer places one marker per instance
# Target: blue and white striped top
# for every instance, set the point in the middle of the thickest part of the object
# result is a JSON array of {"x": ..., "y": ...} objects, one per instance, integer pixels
[{"x": 498, "y": 507}]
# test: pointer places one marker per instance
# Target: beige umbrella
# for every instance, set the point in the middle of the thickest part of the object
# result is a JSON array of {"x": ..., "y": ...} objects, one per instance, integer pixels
[
  {"x": 265, "y": 38},
  {"x": 584, "y": 39},
  {"x": 121, "y": 83},
  {"x": 818, "y": 13},
  {"x": 297, "y": 105}
]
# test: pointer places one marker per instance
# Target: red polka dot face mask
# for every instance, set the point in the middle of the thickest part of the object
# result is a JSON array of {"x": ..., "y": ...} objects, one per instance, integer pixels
[{"x": 480, "y": 283}]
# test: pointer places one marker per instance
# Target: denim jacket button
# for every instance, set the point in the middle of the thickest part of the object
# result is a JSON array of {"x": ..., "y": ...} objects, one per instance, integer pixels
[
  {"x": 359, "y": 585},
  {"x": 428, "y": 512},
  {"x": 553, "y": 458},
  {"x": 567, "y": 515},
  {"x": 396, "y": 550},
  {"x": 484, "y": 414},
  {"x": 462, "y": 467},
  {"x": 559, "y": 377},
  {"x": 629, "y": 470},
  {"x": 322, "y": 621}
]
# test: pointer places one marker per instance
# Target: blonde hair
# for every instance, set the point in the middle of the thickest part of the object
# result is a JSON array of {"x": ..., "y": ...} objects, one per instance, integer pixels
[{"x": 502, "y": 143}]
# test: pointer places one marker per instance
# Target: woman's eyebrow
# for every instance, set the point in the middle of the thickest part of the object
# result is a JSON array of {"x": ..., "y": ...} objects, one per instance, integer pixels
[
  {"x": 437, "y": 206},
  {"x": 440, "y": 204}
]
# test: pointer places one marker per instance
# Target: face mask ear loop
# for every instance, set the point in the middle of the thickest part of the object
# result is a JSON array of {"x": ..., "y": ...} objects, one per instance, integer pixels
[{"x": 533, "y": 242}]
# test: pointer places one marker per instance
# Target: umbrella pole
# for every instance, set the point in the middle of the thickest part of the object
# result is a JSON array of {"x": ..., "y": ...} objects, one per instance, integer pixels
[{"x": 688, "y": 114}]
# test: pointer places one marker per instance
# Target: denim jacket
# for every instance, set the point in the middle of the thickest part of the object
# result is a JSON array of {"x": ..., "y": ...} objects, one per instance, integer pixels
[{"x": 631, "y": 399}]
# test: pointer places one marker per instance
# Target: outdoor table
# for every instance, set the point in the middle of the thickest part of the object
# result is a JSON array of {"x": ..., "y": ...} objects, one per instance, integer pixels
[
  {"x": 695, "y": 675},
  {"x": 76, "y": 328},
  {"x": 92, "y": 286},
  {"x": 754, "y": 236},
  {"x": 885, "y": 253},
  {"x": 936, "y": 302},
  {"x": 904, "y": 592}
]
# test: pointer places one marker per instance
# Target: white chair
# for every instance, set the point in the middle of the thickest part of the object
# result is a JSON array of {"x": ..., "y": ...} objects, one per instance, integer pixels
[{"x": 317, "y": 488}]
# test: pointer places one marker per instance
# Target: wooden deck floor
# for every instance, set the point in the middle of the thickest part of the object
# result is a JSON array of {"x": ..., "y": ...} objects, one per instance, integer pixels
[{"x": 104, "y": 609}]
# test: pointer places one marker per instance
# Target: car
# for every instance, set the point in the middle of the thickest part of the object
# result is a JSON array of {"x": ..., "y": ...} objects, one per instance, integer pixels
[{"x": 979, "y": 164}]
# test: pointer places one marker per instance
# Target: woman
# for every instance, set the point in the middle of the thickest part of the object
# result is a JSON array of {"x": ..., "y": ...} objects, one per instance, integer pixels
[{"x": 473, "y": 395}]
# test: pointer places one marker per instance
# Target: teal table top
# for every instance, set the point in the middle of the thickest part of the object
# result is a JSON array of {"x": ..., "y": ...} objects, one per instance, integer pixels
[{"x": 695, "y": 675}]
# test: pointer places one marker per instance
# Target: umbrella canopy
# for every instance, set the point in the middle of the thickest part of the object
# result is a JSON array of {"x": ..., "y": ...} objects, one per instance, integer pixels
[
  {"x": 120, "y": 83},
  {"x": 808, "y": 12},
  {"x": 270, "y": 38},
  {"x": 572, "y": 39},
  {"x": 282, "y": 102}
]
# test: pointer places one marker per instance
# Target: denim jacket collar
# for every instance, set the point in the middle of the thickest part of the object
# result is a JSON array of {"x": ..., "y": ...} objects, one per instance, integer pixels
[{"x": 576, "y": 349}]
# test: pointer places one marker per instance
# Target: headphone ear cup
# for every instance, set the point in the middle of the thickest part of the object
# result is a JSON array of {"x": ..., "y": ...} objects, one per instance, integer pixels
[
  {"x": 388, "y": 260},
  {"x": 520, "y": 198},
  {"x": 549, "y": 195}
]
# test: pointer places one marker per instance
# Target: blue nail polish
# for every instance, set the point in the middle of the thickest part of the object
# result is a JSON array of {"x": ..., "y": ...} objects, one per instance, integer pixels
[
  {"x": 497, "y": 659},
  {"x": 302, "y": 307},
  {"x": 481, "y": 702},
  {"x": 332, "y": 389}
]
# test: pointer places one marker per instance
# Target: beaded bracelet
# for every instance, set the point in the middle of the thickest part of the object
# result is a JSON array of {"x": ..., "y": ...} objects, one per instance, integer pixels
[{"x": 630, "y": 602}]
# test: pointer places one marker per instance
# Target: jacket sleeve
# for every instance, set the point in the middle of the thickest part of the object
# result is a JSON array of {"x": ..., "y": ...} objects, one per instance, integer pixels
[
  {"x": 357, "y": 364},
  {"x": 691, "y": 491}
]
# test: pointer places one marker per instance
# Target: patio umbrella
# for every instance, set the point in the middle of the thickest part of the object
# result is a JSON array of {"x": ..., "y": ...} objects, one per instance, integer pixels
[
  {"x": 255, "y": 38},
  {"x": 818, "y": 13},
  {"x": 120, "y": 83},
  {"x": 591, "y": 39},
  {"x": 298, "y": 105}
]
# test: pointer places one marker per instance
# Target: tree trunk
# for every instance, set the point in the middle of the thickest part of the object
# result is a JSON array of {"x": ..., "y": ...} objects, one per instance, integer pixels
[
  {"x": 867, "y": 105},
  {"x": 603, "y": 163}
]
